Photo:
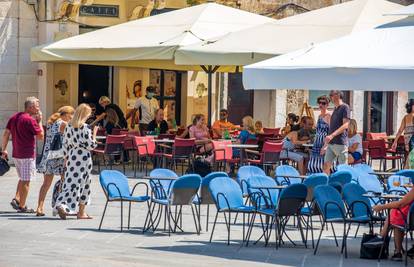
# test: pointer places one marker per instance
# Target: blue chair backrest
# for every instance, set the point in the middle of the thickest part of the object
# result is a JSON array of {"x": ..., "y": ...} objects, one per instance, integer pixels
[
  {"x": 407, "y": 173},
  {"x": 111, "y": 181},
  {"x": 263, "y": 197},
  {"x": 401, "y": 180},
  {"x": 244, "y": 173},
  {"x": 324, "y": 194},
  {"x": 292, "y": 199},
  {"x": 286, "y": 170},
  {"x": 370, "y": 182},
  {"x": 354, "y": 192},
  {"x": 184, "y": 189},
  {"x": 165, "y": 184},
  {"x": 342, "y": 177},
  {"x": 314, "y": 180},
  {"x": 364, "y": 168},
  {"x": 205, "y": 182},
  {"x": 230, "y": 189},
  {"x": 345, "y": 167}
]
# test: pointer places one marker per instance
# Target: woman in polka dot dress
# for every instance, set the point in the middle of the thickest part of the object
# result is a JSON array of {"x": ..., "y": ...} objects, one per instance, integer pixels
[{"x": 78, "y": 142}]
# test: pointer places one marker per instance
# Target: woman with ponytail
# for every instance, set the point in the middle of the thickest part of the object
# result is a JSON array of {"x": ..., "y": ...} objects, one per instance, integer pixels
[{"x": 50, "y": 167}]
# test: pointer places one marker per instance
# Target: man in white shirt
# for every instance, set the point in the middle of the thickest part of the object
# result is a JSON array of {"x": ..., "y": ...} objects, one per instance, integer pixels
[{"x": 145, "y": 107}]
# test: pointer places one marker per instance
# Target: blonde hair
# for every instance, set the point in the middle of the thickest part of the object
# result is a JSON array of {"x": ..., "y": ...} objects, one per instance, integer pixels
[
  {"x": 82, "y": 112},
  {"x": 104, "y": 99},
  {"x": 352, "y": 128},
  {"x": 61, "y": 112},
  {"x": 111, "y": 116},
  {"x": 248, "y": 123}
]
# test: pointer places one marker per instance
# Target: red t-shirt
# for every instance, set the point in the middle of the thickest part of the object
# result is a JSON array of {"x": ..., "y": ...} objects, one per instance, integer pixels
[{"x": 23, "y": 129}]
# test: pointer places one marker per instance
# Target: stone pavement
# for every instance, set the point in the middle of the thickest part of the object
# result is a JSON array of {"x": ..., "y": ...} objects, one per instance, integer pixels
[{"x": 26, "y": 240}]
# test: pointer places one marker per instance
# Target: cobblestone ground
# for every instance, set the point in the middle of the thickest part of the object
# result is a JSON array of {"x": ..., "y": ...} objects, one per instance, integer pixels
[{"x": 27, "y": 240}]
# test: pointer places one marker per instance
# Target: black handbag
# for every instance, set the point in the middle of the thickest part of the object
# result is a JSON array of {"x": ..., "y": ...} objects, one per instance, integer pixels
[
  {"x": 56, "y": 142},
  {"x": 373, "y": 252},
  {"x": 4, "y": 166}
]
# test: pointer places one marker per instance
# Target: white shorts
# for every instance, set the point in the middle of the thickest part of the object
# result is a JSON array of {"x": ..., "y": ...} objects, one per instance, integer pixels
[{"x": 26, "y": 169}]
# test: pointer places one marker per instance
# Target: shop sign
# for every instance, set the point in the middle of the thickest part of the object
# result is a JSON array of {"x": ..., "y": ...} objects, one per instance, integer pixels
[{"x": 99, "y": 11}]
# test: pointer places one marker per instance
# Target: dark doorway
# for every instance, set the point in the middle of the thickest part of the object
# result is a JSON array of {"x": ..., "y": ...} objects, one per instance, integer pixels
[
  {"x": 239, "y": 101},
  {"x": 379, "y": 112},
  {"x": 93, "y": 83}
]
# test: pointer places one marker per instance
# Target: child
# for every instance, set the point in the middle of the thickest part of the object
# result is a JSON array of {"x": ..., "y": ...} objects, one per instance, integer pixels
[{"x": 258, "y": 126}]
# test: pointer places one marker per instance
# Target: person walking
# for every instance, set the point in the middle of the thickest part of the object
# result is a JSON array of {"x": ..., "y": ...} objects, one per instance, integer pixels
[
  {"x": 48, "y": 166},
  {"x": 24, "y": 128},
  {"x": 407, "y": 130},
  {"x": 316, "y": 160},
  {"x": 336, "y": 142},
  {"x": 79, "y": 140}
]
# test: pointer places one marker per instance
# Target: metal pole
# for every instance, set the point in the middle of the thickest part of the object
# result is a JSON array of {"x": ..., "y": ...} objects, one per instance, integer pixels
[{"x": 209, "y": 91}]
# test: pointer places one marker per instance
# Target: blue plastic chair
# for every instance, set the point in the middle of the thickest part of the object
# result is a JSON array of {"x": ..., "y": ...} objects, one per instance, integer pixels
[
  {"x": 287, "y": 170},
  {"x": 400, "y": 190},
  {"x": 116, "y": 189},
  {"x": 309, "y": 209},
  {"x": 181, "y": 193},
  {"x": 406, "y": 173},
  {"x": 264, "y": 196},
  {"x": 244, "y": 173},
  {"x": 228, "y": 198},
  {"x": 332, "y": 209},
  {"x": 355, "y": 173},
  {"x": 363, "y": 168},
  {"x": 341, "y": 177},
  {"x": 161, "y": 188},
  {"x": 204, "y": 198}
]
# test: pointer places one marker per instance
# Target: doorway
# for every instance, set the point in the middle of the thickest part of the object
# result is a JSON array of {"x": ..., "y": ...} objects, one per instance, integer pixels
[
  {"x": 379, "y": 112},
  {"x": 94, "y": 82},
  {"x": 239, "y": 101}
]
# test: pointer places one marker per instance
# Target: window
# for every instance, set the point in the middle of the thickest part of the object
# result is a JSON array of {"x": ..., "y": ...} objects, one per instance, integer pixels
[{"x": 410, "y": 95}]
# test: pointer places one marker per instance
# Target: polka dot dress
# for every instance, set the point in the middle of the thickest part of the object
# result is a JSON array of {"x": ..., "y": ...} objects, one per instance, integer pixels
[{"x": 77, "y": 144}]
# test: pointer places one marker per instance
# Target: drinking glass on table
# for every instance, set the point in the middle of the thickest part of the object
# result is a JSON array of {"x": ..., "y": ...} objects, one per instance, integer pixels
[{"x": 396, "y": 182}]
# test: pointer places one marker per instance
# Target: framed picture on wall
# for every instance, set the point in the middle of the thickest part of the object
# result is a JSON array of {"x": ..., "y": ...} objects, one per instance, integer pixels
[
  {"x": 170, "y": 83},
  {"x": 155, "y": 80}
]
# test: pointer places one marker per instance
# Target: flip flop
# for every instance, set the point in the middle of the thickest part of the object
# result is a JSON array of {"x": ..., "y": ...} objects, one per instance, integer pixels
[
  {"x": 87, "y": 217},
  {"x": 26, "y": 210},
  {"x": 15, "y": 204}
]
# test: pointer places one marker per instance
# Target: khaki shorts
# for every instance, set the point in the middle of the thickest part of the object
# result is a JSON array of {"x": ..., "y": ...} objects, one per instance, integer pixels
[{"x": 337, "y": 153}]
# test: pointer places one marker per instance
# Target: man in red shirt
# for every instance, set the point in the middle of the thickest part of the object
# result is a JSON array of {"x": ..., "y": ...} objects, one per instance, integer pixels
[{"x": 24, "y": 128}]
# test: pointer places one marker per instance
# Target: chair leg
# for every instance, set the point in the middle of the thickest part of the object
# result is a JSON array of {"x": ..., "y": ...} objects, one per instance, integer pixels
[
  {"x": 344, "y": 239},
  {"x": 103, "y": 215},
  {"x": 195, "y": 220},
  {"x": 311, "y": 226},
  {"x": 122, "y": 214},
  {"x": 208, "y": 214},
  {"x": 214, "y": 226},
  {"x": 356, "y": 232},
  {"x": 333, "y": 230},
  {"x": 129, "y": 214},
  {"x": 406, "y": 249},
  {"x": 319, "y": 239},
  {"x": 301, "y": 232}
]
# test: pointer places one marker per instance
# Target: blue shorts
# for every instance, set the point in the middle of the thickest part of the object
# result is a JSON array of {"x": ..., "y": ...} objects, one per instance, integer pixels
[{"x": 356, "y": 155}]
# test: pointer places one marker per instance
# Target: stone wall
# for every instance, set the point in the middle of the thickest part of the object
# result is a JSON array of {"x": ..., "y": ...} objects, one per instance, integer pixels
[{"x": 18, "y": 76}]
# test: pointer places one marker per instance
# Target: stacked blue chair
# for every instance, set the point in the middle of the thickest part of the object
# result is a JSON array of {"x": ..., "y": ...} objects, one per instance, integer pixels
[
  {"x": 228, "y": 198},
  {"x": 355, "y": 173},
  {"x": 182, "y": 193},
  {"x": 161, "y": 187},
  {"x": 244, "y": 173},
  {"x": 332, "y": 209},
  {"x": 116, "y": 189},
  {"x": 204, "y": 198},
  {"x": 407, "y": 173},
  {"x": 363, "y": 168},
  {"x": 339, "y": 179},
  {"x": 309, "y": 209},
  {"x": 399, "y": 189},
  {"x": 289, "y": 171}
]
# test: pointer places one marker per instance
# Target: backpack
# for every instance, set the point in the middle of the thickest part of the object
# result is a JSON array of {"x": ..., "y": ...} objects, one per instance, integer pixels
[{"x": 373, "y": 252}]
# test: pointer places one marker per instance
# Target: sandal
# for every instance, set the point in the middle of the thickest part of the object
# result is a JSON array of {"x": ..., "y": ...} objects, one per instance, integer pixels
[
  {"x": 26, "y": 210},
  {"x": 87, "y": 217},
  {"x": 15, "y": 204},
  {"x": 62, "y": 213},
  {"x": 40, "y": 214}
]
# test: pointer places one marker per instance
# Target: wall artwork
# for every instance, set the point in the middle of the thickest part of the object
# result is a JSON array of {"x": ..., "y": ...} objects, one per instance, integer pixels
[
  {"x": 133, "y": 92},
  {"x": 61, "y": 94}
]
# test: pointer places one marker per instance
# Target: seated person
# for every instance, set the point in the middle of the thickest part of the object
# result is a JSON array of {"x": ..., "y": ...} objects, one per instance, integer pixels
[
  {"x": 247, "y": 133},
  {"x": 92, "y": 117},
  {"x": 112, "y": 121},
  {"x": 355, "y": 148},
  {"x": 222, "y": 124},
  {"x": 200, "y": 132},
  {"x": 305, "y": 132},
  {"x": 289, "y": 150},
  {"x": 291, "y": 124},
  {"x": 158, "y": 122},
  {"x": 399, "y": 212},
  {"x": 106, "y": 104},
  {"x": 258, "y": 126}
]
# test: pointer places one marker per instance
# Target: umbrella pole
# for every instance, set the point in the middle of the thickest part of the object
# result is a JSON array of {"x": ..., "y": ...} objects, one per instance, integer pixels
[{"x": 209, "y": 70}]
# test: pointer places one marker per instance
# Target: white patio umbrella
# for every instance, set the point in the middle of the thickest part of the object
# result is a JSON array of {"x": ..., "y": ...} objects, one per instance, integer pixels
[
  {"x": 153, "y": 41},
  {"x": 286, "y": 35},
  {"x": 381, "y": 59},
  {"x": 407, "y": 11}
]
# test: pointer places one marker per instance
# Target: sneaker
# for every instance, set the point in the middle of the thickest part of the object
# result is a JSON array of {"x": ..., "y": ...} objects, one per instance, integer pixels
[
  {"x": 376, "y": 241},
  {"x": 397, "y": 257}
]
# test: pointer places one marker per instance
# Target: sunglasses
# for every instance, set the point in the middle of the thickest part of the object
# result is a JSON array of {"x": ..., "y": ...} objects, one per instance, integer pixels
[{"x": 323, "y": 103}]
